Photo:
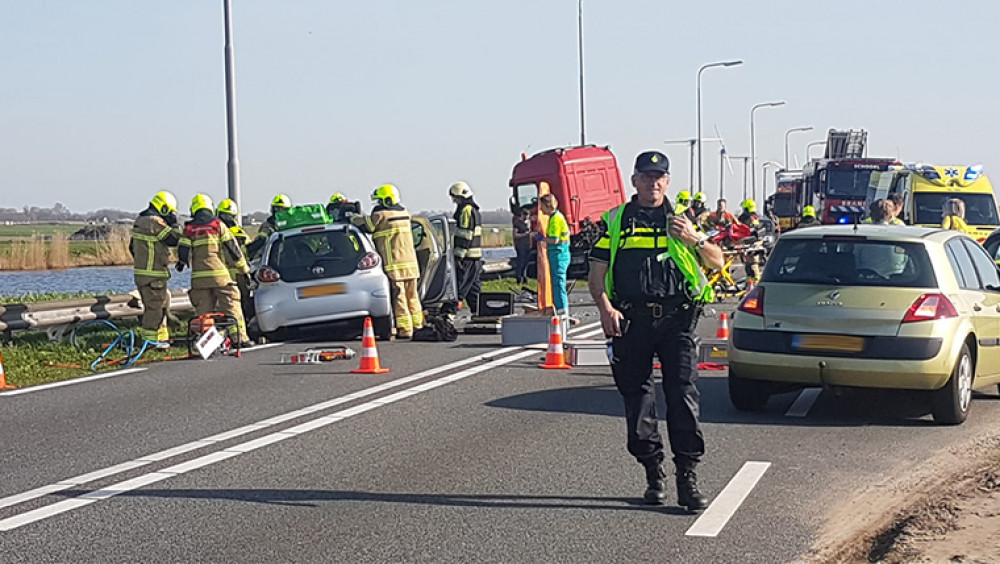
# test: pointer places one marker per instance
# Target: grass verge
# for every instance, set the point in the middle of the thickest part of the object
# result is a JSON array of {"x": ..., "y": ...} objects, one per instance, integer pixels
[{"x": 31, "y": 359}]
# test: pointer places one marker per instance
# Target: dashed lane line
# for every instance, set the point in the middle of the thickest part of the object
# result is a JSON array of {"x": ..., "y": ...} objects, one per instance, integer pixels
[
  {"x": 712, "y": 521},
  {"x": 804, "y": 402},
  {"x": 247, "y": 429},
  {"x": 208, "y": 459}
]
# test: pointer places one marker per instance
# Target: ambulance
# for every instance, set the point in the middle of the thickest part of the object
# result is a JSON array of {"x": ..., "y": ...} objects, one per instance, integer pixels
[{"x": 925, "y": 188}]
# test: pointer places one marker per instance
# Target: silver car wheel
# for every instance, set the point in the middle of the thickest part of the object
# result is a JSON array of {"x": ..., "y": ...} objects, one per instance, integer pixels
[{"x": 964, "y": 382}]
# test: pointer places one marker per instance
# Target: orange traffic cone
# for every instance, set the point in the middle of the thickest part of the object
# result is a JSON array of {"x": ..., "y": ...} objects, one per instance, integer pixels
[
  {"x": 369, "y": 354},
  {"x": 3, "y": 377},
  {"x": 555, "y": 358},
  {"x": 723, "y": 331}
]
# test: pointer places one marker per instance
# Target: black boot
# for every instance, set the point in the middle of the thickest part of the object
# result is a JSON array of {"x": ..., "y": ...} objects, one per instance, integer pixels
[
  {"x": 656, "y": 490},
  {"x": 687, "y": 490}
]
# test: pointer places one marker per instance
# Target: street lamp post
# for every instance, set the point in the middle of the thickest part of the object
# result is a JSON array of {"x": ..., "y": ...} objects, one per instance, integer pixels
[
  {"x": 790, "y": 131},
  {"x": 763, "y": 190},
  {"x": 698, "y": 103},
  {"x": 811, "y": 145},
  {"x": 753, "y": 151},
  {"x": 233, "y": 164},
  {"x": 579, "y": 15}
]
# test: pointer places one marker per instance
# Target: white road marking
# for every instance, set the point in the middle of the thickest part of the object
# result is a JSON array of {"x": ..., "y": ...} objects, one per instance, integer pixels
[
  {"x": 101, "y": 376},
  {"x": 60, "y": 507},
  {"x": 711, "y": 522},
  {"x": 802, "y": 404}
]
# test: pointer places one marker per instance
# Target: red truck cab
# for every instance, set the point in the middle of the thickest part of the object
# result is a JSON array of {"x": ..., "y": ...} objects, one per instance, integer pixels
[{"x": 585, "y": 180}]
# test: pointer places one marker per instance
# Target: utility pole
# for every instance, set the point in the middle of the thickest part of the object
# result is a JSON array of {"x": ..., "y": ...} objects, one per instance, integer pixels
[
  {"x": 583, "y": 127},
  {"x": 233, "y": 164}
]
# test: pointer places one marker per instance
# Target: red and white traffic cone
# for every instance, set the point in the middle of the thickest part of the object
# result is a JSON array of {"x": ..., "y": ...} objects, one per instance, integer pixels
[
  {"x": 555, "y": 357},
  {"x": 723, "y": 331},
  {"x": 369, "y": 353},
  {"x": 3, "y": 377}
]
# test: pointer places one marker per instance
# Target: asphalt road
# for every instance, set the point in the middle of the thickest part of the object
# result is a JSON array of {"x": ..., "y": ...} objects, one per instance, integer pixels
[{"x": 464, "y": 452}]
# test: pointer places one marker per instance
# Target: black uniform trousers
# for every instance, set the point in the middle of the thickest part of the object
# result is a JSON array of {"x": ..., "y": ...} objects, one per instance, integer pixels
[
  {"x": 670, "y": 334},
  {"x": 467, "y": 272}
]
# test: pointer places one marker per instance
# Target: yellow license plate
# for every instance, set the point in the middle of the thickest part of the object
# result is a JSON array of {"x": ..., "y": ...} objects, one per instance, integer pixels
[
  {"x": 832, "y": 343},
  {"x": 323, "y": 290}
]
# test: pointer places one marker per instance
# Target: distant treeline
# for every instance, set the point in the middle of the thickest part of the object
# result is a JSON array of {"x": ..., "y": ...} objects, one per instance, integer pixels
[{"x": 59, "y": 212}]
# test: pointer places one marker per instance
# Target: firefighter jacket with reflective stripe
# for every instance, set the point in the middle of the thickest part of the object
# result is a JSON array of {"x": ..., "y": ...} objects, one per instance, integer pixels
[
  {"x": 468, "y": 240},
  {"x": 237, "y": 266},
  {"x": 204, "y": 246},
  {"x": 393, "y": 238},
  {"x": 683, "y": 257},
  {"x": 256, "y": 246},
  {"x": 150, "y": 246}
]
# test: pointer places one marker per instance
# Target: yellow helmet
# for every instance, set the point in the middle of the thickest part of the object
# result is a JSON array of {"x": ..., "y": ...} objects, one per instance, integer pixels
[
  {"x": 281, "y": 202},
  {"x": 808, "y": 211},
  {"x": 386, "y": 194},
  {"x": 683, "y": 197},
  {"x": 201, "y": 202},
  {"x": 337, "y": 198},
  {"x": 460, "y": 190},
  {"x": 228, "y": 206},
  {"x": 699, "y": 197},
  {"x": 164, "y": 202},
  {"x": 749, "y": 205}
]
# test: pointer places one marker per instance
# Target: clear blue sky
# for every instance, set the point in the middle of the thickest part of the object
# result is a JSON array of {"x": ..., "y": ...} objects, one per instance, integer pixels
[{"x": 104, "y": 102}]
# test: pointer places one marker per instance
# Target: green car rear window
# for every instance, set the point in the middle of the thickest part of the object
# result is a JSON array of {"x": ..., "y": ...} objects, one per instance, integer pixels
[{"x": 850, "y": 263}]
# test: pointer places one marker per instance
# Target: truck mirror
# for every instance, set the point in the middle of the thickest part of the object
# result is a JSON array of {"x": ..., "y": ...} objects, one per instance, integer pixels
[{"x": 514, "y": 208}]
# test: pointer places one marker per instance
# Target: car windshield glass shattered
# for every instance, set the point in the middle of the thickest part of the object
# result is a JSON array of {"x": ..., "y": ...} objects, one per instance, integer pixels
[
  {"x": 850, "y": 262},
  {"x": 311, "y": 256}
]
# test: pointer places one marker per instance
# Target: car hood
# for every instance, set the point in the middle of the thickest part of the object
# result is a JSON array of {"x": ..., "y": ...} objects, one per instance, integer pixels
[{"x": 851, "y": 310}]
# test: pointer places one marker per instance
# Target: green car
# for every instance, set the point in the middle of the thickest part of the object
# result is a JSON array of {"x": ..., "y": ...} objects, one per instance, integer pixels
[{"x": 872, "y": 306}]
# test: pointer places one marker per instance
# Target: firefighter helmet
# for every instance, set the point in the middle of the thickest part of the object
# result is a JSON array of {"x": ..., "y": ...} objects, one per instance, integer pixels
[
  {"x": 386, "y": 194},
  {"x": 683, "y": 197},
  {"x": 749, "y": 205},
  {"x": 280, "y": 202},
  {"x": 460, "y": 190},
  {"x": 699, "y": 197},
  {"x": 164, "y": 203},
  {"x": 337, "y": 198},
  {"x": 201, "y": 202},
  {"x": 228, "y": 206},
  {"x": 808, "y": 211}
]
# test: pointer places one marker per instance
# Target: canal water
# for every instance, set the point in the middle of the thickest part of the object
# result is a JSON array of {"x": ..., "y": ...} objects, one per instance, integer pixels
[{"x": 111, "y": 279}]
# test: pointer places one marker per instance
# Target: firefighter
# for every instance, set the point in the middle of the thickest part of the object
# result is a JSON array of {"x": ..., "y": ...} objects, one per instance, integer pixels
[
  {"x": 808, "y": 218},
  {"x": 646, "y": 278},
  {"x": 337, "y": 209},
  {"x": 153, "y": 233},
  {"x": 753, "y": 261},
  {"x": 256, "y": 247},
  {"x": 229, "y": 213},
  {"x": 699, "y": 210},
  {"x": 749, "y": 216},
  {"x": 468, "y": 247},
  {"x": 204, "y": 245},
  {"x": 390, "y": 227}
]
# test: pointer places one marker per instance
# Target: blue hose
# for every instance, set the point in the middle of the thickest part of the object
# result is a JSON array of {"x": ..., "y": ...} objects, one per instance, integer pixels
[{"x": 124, "y": 339}]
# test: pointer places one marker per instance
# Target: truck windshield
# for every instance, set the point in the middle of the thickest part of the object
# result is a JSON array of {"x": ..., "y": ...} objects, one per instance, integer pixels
[
  {"x": 527, "y": 195},
  {"x": 847, "y": 183},
  {"x": 980, "y": 209},
  {"x": 784, "y": 205}
]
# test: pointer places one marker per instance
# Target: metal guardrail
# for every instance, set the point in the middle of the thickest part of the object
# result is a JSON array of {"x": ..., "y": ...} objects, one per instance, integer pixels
[{"x": 57, "y": 316}]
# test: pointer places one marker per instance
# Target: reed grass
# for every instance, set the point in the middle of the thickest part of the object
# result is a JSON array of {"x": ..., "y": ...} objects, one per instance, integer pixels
[{"x": 55, "y": 251}]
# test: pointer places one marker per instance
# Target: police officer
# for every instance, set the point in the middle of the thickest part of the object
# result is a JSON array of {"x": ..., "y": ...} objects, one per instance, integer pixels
[
  {"x": 256, "y": 247},
  {"x": 228, "y": 212},
  {"x": 391, "y": 232},
  {"x": 647, "y": 281},
  {"x": 204, "y": 242},
  {"x": 467, "y": 247},
  {"x": 808, "y": 218},
  {"x": 153, "y": 233}
]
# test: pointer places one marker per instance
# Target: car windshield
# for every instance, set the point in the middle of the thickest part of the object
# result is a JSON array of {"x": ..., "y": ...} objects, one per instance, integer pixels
[
  {"x": 980, "y": 209},
  {"x": 316, "y": 255},
  {"x": 850, "y": 261},
  {"x": 527, "y": 195},
  {"x": 847, "y": 183}
]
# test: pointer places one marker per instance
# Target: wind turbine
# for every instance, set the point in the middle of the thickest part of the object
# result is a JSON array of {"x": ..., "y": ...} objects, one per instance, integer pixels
[{"x": 723, "y": 158}]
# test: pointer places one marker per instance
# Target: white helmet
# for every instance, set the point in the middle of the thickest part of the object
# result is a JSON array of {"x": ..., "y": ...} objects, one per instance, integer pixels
[{"x": 460, "y": 190}]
